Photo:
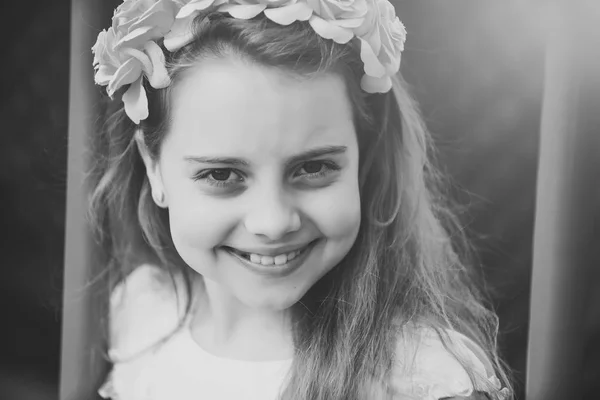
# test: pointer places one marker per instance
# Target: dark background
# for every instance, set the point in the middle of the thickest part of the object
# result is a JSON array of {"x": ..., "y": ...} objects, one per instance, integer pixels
[{"x": 475, "y": 66}]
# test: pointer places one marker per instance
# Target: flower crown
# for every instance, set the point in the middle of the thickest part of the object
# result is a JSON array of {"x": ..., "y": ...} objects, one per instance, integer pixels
[{"x": 128, "y": 50}]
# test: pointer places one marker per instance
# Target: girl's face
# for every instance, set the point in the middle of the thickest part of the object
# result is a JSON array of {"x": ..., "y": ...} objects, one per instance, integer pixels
[{"x": 260, "y": 176}]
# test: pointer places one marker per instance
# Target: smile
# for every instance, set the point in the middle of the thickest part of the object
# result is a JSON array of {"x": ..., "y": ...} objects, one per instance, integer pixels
[
  {"x": 279, "y": 259},
  {"x": 281, "y": 264}
]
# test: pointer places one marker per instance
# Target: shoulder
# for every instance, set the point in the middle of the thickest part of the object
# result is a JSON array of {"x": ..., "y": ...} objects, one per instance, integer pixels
[
  {"x": 425, "y": 369},
  {"x": 144, "y": 308}
]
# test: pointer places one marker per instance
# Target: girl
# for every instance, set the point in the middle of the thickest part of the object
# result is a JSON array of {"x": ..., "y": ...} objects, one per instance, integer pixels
[{"x": 264, "y": 189}]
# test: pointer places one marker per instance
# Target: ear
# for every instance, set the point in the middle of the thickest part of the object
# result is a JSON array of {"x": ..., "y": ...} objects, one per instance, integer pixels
[{"x": 152, "y": 171}]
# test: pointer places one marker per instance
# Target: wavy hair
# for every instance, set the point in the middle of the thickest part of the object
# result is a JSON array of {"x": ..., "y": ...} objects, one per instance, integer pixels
[{"x": 409, "y": 262}]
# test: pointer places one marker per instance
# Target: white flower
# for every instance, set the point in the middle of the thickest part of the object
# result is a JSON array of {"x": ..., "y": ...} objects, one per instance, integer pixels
[
  {"x": 181, "y": 32},
  {"x": 334, "y": 19},
  {"x": 382, "y": 38},
  {"x": 283, "y": 12},
  {"x": 143, "y": 20},
  {"x": 127, "y": 51}
]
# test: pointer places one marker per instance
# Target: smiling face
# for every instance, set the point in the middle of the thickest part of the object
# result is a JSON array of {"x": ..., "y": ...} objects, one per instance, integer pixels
[{"x": 260, "y": 176}]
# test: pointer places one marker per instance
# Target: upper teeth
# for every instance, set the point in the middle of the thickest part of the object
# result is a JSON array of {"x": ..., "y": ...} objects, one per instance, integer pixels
[{"x": 270, "y": 260}]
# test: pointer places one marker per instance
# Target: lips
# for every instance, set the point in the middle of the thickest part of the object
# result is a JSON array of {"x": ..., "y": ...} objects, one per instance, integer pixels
[
  {"x": 272, "y": 269},
  {"x": 268, "y": 260}
]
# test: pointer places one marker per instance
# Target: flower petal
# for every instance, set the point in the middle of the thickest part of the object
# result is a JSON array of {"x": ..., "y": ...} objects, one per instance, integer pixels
[
  {"x": 128, "y": 72},
  {"x": 161, "y": 21},
  {"x": 159, "y": 78},
  {"x": 142, "y": 57},
  {"x": 134, "y": 38},
  {"x": 243, "y": 11},
  {"x": 269, "y": 3},
  {"x": 181, "y": 33},
  {"x": 394, "y": 64},
  {"x": 372, "y": 84},
  {"x": 288, "y": 14},
  {"x": 160, "y": 15},
  {"x": 374, "y": 39},
  {"x": 104, "y": 49},
  {"x": 372, "y": 64},
  {"x": 99, "y": 47},
  {"x": 349, "y": 23},
  {"x": 104, "y": 74},
  {"x": 330, "y": 31},
  {"x": 193, "y": 6},
  {"x": 136, "y": 102},
  {"x": 398, "y": 33}
]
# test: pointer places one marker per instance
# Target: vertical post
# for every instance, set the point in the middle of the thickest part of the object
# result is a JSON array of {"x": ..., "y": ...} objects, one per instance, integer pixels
[
  {"x": 568, "y": 179},
  {"x": 81, "y": 363}
]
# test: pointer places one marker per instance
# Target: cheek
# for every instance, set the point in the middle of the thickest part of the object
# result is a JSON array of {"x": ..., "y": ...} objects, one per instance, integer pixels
[
  {"x": 197, "y": 229},
  {"x": 197, "y": 222},
  {"x": 336, "y": 213},
  {"x": 202, "y": 223},
  {"x": 199, "y": 225}
]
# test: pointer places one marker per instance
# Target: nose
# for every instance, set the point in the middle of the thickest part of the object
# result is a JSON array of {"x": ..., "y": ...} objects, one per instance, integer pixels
[{"x": 272, "y": 214}]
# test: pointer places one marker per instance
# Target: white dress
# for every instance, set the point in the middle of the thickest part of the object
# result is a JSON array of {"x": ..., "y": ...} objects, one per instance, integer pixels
[{"x": 145, "y": 308}]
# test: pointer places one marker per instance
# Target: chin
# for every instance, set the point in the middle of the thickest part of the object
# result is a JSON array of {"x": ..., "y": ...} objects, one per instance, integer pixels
[{"x": 273, "y": 301}]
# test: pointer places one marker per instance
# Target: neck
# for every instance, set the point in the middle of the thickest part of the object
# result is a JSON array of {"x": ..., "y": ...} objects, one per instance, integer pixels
[{"x": 226, "y": 327}]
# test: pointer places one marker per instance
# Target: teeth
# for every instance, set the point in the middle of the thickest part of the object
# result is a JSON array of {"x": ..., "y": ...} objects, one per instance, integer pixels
[
  {"x": 281, "y": 259},
  {"x": 268, "y": 260}
]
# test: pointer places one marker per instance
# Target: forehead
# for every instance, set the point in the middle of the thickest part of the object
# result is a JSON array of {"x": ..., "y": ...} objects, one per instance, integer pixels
[{"x": 228, "y": 105}]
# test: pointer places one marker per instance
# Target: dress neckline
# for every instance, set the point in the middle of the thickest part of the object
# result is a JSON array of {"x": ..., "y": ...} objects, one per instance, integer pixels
[{"x": 188, "y": 337}]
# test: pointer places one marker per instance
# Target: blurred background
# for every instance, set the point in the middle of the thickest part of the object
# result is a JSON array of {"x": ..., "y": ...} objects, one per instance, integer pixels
[{"x": 475, "y": 66}]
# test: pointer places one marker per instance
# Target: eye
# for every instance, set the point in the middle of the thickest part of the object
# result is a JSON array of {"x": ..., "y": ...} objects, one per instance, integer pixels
[
  {"x": 313, "y": 167},
  {"x": 220, "y": 177},
  {"x": 220, "y": 174},
  {"x": 316, "y": 169}
]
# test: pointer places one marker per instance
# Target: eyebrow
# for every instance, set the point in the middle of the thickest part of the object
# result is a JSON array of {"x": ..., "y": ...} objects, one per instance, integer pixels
[{"x": 313, "y": 153}]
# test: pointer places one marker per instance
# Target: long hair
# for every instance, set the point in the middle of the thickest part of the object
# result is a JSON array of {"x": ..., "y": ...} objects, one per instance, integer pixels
[{"x": 408, "y": 265}]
